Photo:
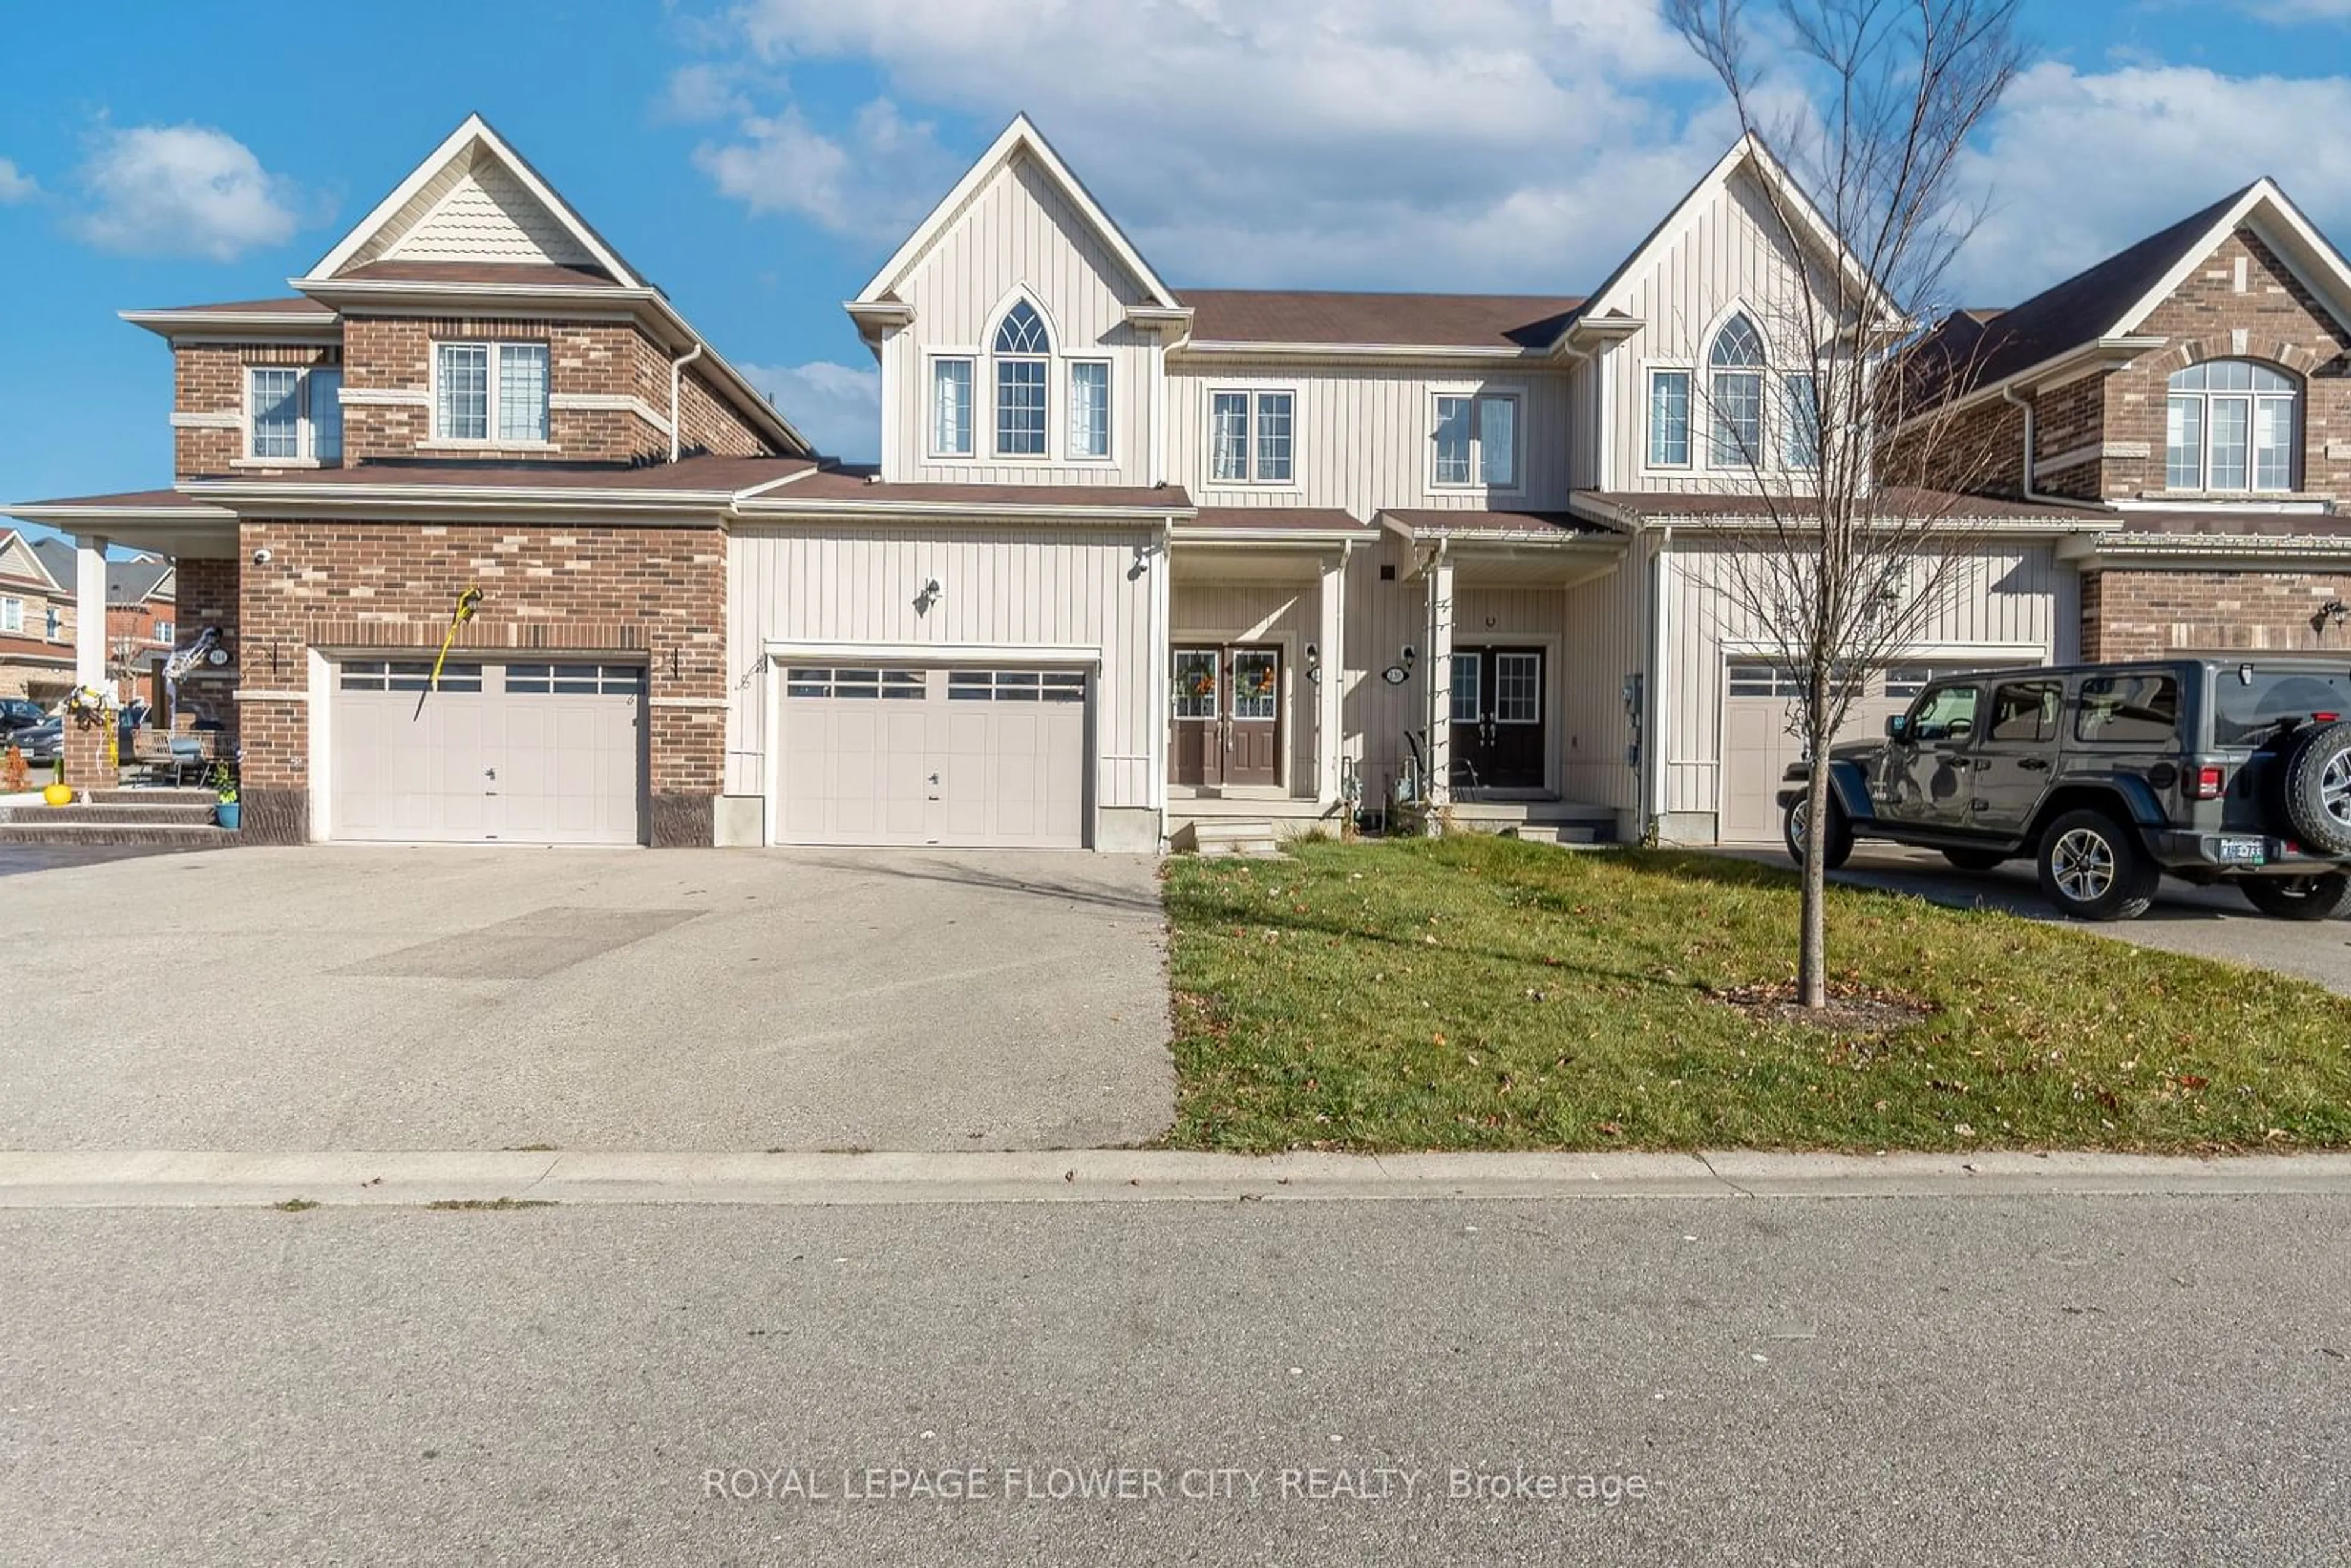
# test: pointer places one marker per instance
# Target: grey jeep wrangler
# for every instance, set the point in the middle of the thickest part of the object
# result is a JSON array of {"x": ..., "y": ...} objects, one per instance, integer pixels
[{"x": 2109, "y": 775}]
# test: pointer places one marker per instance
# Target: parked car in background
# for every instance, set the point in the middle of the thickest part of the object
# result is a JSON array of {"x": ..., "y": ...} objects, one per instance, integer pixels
[
  {"x": 2109, "y": 776},
  {"x": 44, "y": 743},
  {"x": 17, "y": 713}
]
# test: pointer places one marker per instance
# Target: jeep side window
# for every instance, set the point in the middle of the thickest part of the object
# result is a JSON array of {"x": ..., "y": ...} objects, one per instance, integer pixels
[
  {"x": 1945, "y": 713},
  {"x": 2025, "y": 711},
  {"x": 2128, "y": 710}
]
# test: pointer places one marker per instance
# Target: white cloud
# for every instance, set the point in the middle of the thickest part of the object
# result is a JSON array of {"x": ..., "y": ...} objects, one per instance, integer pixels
[
  {"x": 837, "y": 407},
  {"x": 15, "y": 185},
  {"x": 2078, "y": 166},
  {"x": 1483, "y": 142},
  {"x": 182, "y": 189},
  {"x": 2292, "y": 11}
]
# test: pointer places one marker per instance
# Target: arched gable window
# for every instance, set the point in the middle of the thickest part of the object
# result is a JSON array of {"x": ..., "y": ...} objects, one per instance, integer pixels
[
  {"x": 2232, "y": 424},
  {"x": 1023, "y": 352},
  {"x": 1735, "y": 392}
]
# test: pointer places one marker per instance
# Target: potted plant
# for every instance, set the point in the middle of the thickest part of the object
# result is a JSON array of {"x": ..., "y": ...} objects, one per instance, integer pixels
[{"x": 225, "y": 810}]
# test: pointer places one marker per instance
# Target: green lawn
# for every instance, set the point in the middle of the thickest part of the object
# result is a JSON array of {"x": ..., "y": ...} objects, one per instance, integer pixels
[{"x": 1481, "y": 993}]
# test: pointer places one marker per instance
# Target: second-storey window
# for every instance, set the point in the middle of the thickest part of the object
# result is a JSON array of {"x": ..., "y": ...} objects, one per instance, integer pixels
[
  {"x": 1477, "y": 441},
  {"x": 1089, "y": 408},
  {"x": 1669, "y": 419},
  {"x": 1250, "y": 437},
  {"x": 296, "y": 413},
  {"x": 1022, "y": 356},
  {"x": 950, "y": 408},
  {"x": 1800, "y": 431},
  {"x": 1735, "y": 390},
  {"x": 12, "y": 615},
  {"x": 2230, "y": 424},
  {"x": 490, "y": 392}
]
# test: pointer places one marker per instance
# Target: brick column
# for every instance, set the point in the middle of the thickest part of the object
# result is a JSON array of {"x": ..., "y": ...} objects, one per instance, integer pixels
[{"x": 86, "y": 765}]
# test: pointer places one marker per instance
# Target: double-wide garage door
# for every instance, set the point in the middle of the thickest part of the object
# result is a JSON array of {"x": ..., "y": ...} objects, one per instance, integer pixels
[
  {"x": 528, "y": 754},
  {"x": 895, "y": 753}
]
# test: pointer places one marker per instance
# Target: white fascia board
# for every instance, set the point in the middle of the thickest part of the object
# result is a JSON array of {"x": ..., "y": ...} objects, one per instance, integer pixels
[
  {"x": 1021, "y": 135},
  {"x": 183, "y": 326},
  {"x": 66, "y": 516},
  {"x": 276, "y": 497},
  {"x": 1224, "y": 349},
  {"x": 1070, "y": 653},
  {"x": 1270, "y": 539},
  {"x": 459, "y": 142},
  {"x": 2262, "y": 200},
  {"x": 784, "y": 507}
]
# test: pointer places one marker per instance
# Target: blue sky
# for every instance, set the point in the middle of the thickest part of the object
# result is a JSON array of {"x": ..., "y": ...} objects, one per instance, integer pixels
[{"x": 758, "y": 160}]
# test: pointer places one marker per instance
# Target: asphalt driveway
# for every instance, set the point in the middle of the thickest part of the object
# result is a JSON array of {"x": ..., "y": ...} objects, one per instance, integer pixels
[
  {"x": 2208, "y": 922},
  {"x": 462, "y": 998}
]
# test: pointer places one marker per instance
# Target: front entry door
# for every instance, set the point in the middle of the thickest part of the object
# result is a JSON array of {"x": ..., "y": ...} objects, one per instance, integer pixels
[
  {"x": 1224, "y": 715},
  {"x": 1498, "y": 718}
]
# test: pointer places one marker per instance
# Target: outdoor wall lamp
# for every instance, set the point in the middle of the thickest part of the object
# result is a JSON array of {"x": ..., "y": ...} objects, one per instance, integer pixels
[
  {"x": 2334, "y": 613},
  {"x": 928, "y": 596}
]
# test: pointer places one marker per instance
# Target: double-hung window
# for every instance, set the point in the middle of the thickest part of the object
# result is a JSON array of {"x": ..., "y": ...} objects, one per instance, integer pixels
[
  {"x": 1250, "y": 436},
  {"x": 950, "y": 408},
  {"x": 1477, "y": 441},
  {"x": 296, "y": 413},
  {"x": 1669, "y": 419},
  {"x": 494, "y": 393},
  {"x": 1023, "y": 353},
  {"x": 12, "y": 615},
  {"x": 1089, "y": 408},
  {"x": 1801, "y": 430},
  {"x": 2230, "y": 424}
]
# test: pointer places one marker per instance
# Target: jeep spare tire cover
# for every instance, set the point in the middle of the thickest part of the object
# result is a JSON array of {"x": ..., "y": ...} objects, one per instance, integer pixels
[{"x": 2319, "y": 789}]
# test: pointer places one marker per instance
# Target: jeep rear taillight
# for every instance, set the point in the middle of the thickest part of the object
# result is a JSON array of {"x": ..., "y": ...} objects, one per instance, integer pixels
[{"x": 2208, "y": 784}]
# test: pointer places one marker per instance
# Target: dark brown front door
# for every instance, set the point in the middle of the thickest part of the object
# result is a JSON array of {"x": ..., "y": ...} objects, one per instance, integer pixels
[
  {"x": 1224, "y": 715},
  {"x": 1498, "y": 718}
]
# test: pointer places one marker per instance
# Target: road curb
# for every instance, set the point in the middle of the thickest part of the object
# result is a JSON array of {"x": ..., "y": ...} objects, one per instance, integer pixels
[{"x": 182, "y": 1179}]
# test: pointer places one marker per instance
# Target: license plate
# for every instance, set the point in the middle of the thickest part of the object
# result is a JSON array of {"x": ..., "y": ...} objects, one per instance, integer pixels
[{"x": 2244, "y": 851}]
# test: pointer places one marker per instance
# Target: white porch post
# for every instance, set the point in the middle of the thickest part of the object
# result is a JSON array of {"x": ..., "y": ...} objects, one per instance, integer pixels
[
  {"x": 1438, "y": 787},
  {"x": 90, "y": 611},
  {"x": 1329, "y": 696}
]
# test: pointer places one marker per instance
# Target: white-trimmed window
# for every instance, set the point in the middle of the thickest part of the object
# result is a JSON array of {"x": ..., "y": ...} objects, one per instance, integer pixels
[
  {"x": 1023, "y": 356},
  {"x": 296, "y": 413},
  {"x": 1089, "y": 408},
  {"x": 1669, "y": 419},
  {"x": 950, "y": 407},
  {"x": 51, "y": 623},
  {"x": 1800, "y": 429},
  {"x": 164, "y": 630},
  {"x": 1475, "y": 441},
  {"x": 494, "y": 393},
  {"x": 1251, "y": 437},
  {"x": 12, "y": 615},
  {"x": 1735, "y": 393},
  {"x": 2232, "y": 424}
]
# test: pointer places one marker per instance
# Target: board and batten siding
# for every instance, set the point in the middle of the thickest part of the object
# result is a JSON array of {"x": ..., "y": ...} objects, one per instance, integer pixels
[
  {"x": 1012, "y": 586},
  {"x": 1730, "y": 254},
  {"x": 1289, "y": 616},
  {"x": 2012, "y": 601},
  {"x": 1017, "y": 234},
  {"x": 1608, "y": 631},
  {"x": 1363, "y": 436}
]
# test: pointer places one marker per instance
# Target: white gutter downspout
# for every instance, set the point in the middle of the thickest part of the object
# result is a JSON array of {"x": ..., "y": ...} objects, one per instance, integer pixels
[
  {"x": 676, "y": 374},
  {"x": 2008, "y": 395},
  {"x": 1660, "y": 632}
]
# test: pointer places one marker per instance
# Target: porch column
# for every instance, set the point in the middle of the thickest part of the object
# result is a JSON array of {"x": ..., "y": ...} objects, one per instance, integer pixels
[
  {"x": 86, "y": 743},
  {"x": 1438, "y": 662},
  {"x": 1329, "y": 696}
]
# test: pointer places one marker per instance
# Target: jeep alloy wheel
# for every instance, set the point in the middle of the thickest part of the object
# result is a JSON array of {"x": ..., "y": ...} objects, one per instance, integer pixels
[{"x": 2092, "y": 868}]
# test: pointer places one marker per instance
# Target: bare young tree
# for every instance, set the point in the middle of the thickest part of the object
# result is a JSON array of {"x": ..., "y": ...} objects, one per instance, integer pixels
[{"x": 1849, "y": 551}]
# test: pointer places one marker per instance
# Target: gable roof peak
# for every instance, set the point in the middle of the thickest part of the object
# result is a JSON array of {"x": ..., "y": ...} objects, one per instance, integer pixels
[{"x": 1018, "y": 137}]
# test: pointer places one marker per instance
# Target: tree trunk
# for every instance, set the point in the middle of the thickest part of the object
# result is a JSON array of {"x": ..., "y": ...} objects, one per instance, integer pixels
[{"x": 1812, "y": 945}]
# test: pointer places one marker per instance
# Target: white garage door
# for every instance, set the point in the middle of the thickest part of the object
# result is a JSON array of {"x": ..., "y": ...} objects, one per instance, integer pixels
[
  {"x": 1758, "y": 707},
  {"x": 525, "y": 754},
  {"x": 877, "y": 754}
]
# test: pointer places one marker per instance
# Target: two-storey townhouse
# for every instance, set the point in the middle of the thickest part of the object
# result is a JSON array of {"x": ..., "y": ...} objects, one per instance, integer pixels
[
  {"x": 1137, "y": 558},
  {"x": 2190, "y": 396},
  {"x": 36, "y": 625}
]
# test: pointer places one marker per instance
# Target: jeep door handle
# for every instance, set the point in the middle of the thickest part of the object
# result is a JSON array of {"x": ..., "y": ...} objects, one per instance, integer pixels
[{"x": 2033, "y": 764}]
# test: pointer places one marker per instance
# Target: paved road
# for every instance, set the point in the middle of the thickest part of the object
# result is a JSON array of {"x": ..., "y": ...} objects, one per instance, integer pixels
[
  {"x": 2208, "y": 922},
  {"x": 405, "y": 998},
  {"x": 1979, "y": 1381}
]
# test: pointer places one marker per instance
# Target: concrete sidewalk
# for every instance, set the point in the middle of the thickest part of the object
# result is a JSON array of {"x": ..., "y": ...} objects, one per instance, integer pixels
[{"x": 157, "y": 1178}]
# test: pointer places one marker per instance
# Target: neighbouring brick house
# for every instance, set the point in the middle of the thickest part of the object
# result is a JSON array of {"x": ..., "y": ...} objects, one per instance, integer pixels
[
  {"x": 140, "y": 612},
  {"x": 472, "y": 392},
  {"x": 2191, "y": 396},
  {"x": 36, "y": 625}
]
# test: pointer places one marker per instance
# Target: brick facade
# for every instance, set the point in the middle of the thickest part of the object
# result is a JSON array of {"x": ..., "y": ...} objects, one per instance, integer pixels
[
  {"x": 2134, "y": 614},
  {"x": 208, "y": 379},
  {"x": 658, "y": 593}
]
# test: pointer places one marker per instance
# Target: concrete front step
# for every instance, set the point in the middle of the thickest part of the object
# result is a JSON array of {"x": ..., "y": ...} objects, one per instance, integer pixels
[
  {"x": 1547, "y": 833},
  {"x": 1228, "y": 837},
  {"x": 167, "y": 835},
  {"x": 130, "y": 796}
]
